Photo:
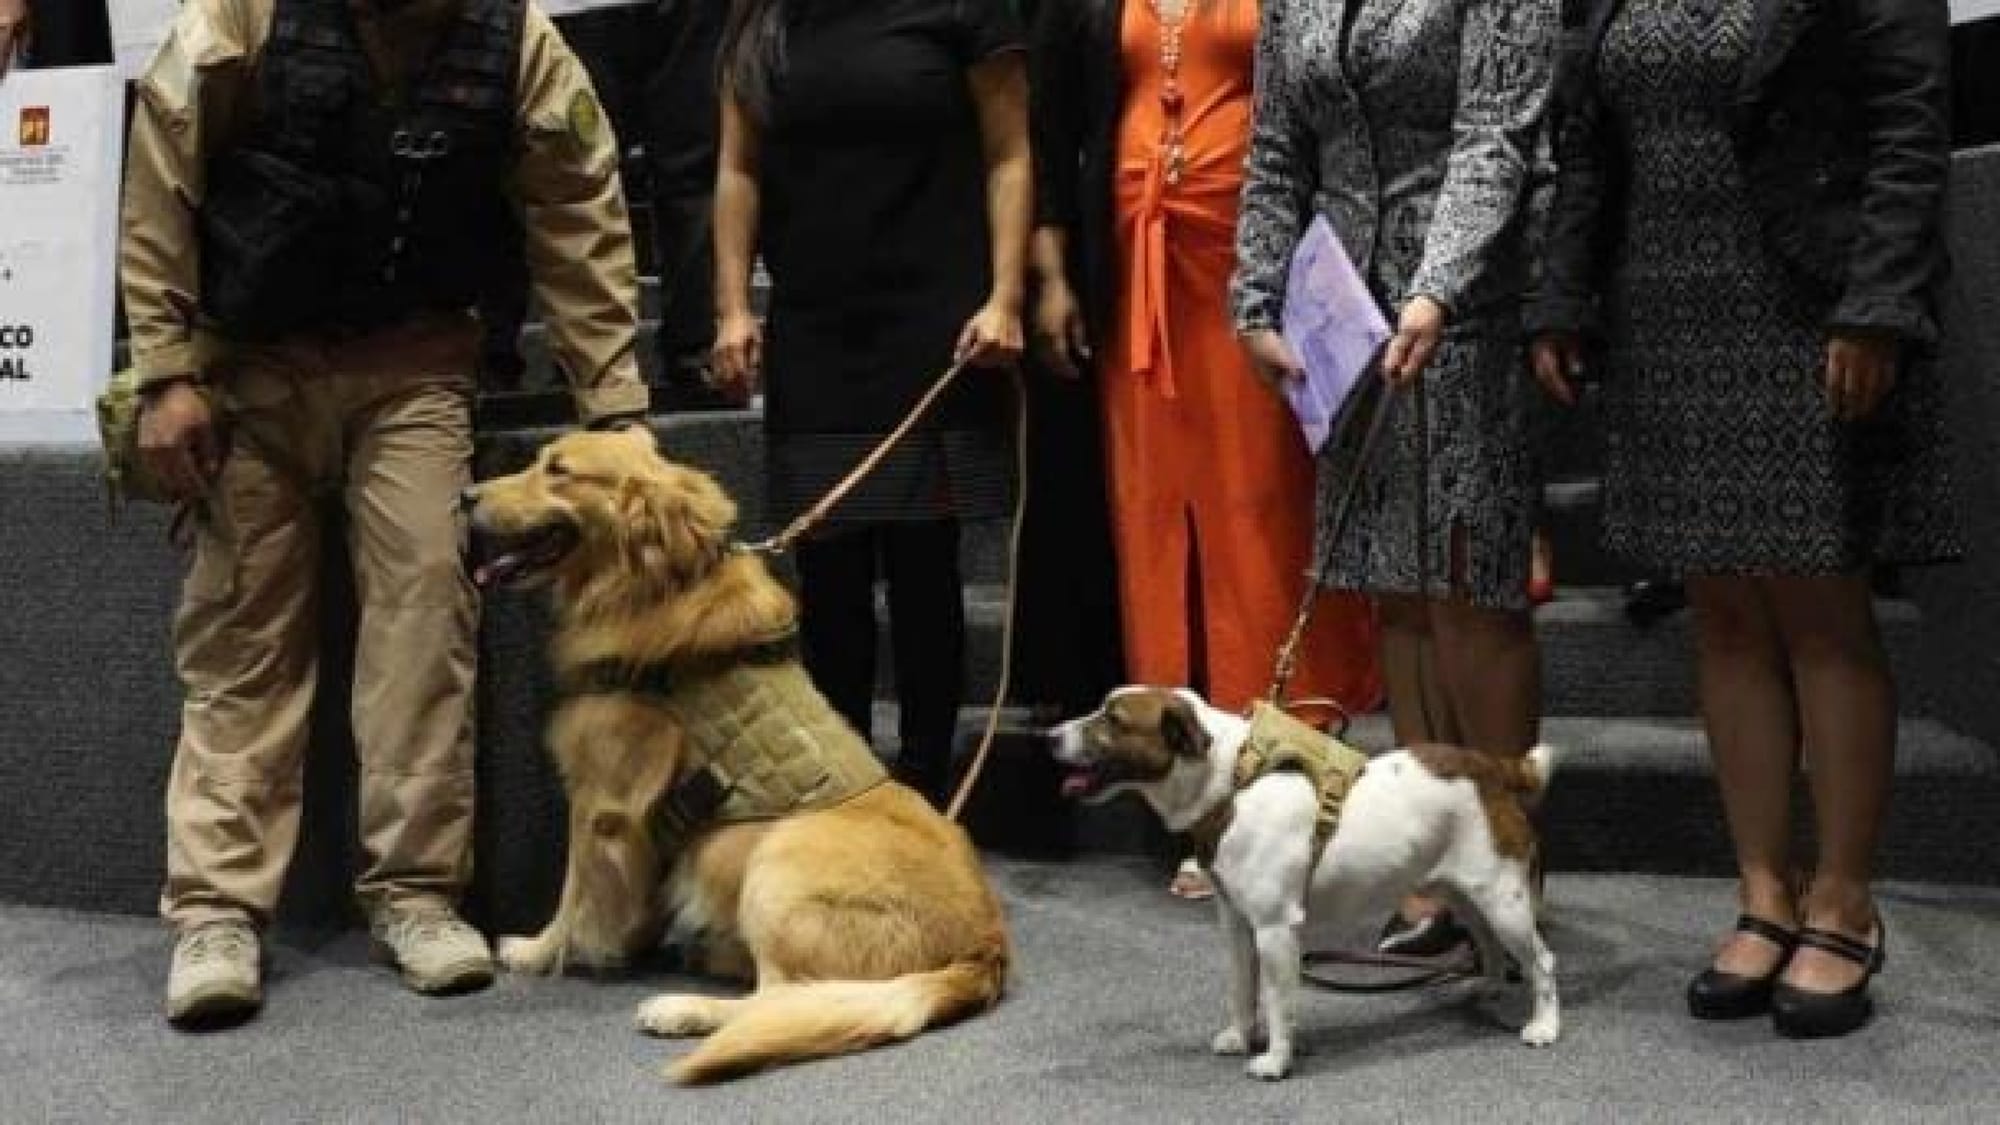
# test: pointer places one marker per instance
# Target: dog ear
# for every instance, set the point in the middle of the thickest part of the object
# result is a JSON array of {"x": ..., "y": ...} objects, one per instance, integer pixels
[
  {"x": 673, "y": 532},
  {"x": 1181, "y": 729}
]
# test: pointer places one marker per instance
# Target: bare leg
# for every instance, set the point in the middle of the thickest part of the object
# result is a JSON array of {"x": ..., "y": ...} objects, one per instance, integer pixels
[
  {"x": 1747, "y": 706},
  {"x": 1419, "y": 709},
  {"x": 1847, "y": 701},
  {"x": 1493, "y": 672}
]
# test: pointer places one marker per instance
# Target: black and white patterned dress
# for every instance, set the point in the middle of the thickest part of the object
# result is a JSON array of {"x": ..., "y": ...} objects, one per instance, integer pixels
[
  {"x": 1722, "y": 456},
  {"x": 1414, "y": 127}
]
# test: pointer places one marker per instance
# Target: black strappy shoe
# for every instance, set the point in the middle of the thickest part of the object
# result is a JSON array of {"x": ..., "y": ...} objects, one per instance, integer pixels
[
  {"x": 1719, "y": 995},
  {"x": 1802, "y": 1014}
]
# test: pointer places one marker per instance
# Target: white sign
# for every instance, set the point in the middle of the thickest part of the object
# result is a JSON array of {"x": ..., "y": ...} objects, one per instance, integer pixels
[
  {"x": 1965, "y": 11},
  {"x": 59, "y": 171},
  {"x": 138, "y": 27}
]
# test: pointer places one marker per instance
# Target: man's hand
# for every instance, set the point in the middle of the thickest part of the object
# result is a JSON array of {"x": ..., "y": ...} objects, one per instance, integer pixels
[
  {"x": 1418, "y": 331},
  {"x": 992, "y": 338},
  {"x": 13, "y": 31},
  {"x": 1271, "y": 358},
  {"x": 737, "y": 357},
  {"x": 1059, "y": 330},
  {"x": 177, "y": 440},
  {"x": 1860, "y": 370},
  {"x": 1556, "y": 358}
]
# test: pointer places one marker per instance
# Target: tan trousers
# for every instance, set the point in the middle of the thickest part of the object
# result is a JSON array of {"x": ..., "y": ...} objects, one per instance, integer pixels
[{"x": 384, "y": 424}]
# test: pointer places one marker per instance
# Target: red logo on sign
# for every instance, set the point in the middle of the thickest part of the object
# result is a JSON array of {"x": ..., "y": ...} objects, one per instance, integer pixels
[{"x": 34, "y": 126}]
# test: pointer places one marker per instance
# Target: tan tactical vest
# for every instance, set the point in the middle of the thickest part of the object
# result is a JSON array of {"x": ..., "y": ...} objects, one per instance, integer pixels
[
  {"x": 1278, "y": 742},
  {"x": 762, "y": 741}
]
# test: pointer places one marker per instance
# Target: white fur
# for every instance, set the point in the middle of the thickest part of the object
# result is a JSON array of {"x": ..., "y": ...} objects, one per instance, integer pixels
[{"x": 1402, "y": 829}]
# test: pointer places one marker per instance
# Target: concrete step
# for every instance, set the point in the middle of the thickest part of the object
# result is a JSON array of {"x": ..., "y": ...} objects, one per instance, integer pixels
[
  {"x": 1572, "y": 517},
  {"x": 1594, "y": 660},
  {"x": 1630, "y": 794}
]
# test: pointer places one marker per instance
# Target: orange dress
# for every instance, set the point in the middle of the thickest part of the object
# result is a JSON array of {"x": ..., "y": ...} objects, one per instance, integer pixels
[{"x": 1211, "y": 483}]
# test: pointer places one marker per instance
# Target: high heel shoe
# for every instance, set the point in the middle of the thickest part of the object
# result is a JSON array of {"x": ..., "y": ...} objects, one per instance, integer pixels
[
  {"x": 1800, "y": 1013},
  {"x": 1719, "y": 995}
]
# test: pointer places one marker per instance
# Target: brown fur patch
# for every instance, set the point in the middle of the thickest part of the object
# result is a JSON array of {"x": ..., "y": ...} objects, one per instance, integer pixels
[
  {"x": 1139, "y": 734},
  {"x": 1505, "y": 786},
  {"x": 879, "y": 889}
]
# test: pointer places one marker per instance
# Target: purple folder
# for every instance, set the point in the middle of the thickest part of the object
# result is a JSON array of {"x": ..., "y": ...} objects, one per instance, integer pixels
[{"x": 1333, "y": 326}]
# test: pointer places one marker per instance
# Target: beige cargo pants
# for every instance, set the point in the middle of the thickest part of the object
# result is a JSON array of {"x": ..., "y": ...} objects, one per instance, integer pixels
[{"x": 384, "y": 424}]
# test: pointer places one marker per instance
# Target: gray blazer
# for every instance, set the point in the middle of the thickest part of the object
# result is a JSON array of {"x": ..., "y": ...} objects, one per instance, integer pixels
[{"x": 1418, "y": 143}]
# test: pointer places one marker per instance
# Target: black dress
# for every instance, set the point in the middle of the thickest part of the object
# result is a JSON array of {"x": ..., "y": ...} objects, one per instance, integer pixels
[
  {"x": 1722, "y": 456},
  {"x": 874, "y": 228}
]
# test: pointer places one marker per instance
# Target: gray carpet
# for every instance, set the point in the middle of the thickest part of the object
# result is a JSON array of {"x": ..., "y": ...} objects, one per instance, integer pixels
[{"x": 1116, "y": 995}]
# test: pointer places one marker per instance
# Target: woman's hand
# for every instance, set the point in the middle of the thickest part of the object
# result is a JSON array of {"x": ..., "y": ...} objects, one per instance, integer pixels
[
  {"x": 1060, "y": 335},
  {"x": 737, "y": 356},
  {"x": 1418, "y": 331},
  {"x": 992, "y": 338},
  {"x": 1860, "y": 370},
  {"x": 1272, "y": 358},
  {"x": 1556, "y": 358}
]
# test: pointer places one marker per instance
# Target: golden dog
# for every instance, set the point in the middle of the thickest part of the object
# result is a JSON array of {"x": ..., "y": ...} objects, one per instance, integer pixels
[{"x": 859, "y": 924}]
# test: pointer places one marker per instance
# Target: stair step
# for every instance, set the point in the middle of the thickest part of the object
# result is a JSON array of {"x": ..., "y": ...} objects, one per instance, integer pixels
[
  {"x": 1629, "y": 794},
  {"x": 1572, "y": 518},
  {"x": 1594, "y": 660}
]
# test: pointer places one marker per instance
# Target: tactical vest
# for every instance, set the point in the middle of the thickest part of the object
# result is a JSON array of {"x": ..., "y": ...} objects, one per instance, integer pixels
[
  {"x": 346, "y": 207},
  {"x": 1277, "y": 742},
  {"x": 761, "y": 741}
]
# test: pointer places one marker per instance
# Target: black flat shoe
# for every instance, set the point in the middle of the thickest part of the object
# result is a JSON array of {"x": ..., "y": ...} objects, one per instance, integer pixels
[
  {"x": 1650, "y": 601},
  {"x": 1719, "y": 995},
  {"x": 1803, "y": 1014}
]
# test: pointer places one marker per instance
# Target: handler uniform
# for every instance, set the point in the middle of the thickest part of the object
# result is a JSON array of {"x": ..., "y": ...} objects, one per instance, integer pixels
[{"x": 344, "y": 372}]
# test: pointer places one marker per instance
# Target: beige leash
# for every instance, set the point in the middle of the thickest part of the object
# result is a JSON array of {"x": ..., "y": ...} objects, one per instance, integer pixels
[{"x": 812, "y": 517}]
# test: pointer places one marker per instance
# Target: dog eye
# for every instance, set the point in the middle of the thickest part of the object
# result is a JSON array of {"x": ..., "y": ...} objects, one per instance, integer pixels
[{"x": 556, "y": 468}]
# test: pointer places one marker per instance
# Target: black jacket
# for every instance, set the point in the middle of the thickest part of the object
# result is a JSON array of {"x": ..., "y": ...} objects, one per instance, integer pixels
[
  {"x": 1077, "y": 76},
  {"x": 1844, "y": 139}
]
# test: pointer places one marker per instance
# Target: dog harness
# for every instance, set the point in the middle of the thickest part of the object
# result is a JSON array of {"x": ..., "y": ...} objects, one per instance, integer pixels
[
  {"x": 1279, "y": 743},
  {"x": 762, "y": 741}
]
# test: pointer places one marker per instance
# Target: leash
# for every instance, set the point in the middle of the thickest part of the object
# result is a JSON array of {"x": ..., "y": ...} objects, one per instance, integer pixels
[
  {"x": 1425, "y": 971},
  {"x": 812, "y": 517},
  {"x": 1288, "y": 653},
  {"x": 800, "y": 526}
]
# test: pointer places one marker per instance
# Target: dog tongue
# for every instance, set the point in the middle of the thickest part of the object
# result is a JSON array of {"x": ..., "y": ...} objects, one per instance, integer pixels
[
  {"x": 496, "y": 571},
  {"x": 1077, "y": 784}
]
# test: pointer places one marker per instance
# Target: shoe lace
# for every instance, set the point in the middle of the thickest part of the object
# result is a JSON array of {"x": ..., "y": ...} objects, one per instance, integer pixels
[
  {"x": 429, "y": 926},
  {"x": 217, "y": 942}
]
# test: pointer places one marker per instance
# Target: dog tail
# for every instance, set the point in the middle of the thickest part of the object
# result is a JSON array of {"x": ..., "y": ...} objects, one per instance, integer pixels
[{"x": 794, "y": 1022}]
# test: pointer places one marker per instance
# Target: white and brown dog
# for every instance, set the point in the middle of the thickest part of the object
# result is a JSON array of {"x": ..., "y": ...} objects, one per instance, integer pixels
[{"x": 1446, "y": 821}]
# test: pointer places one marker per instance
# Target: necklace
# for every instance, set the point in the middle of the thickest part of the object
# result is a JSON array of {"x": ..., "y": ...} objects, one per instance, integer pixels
[{"x": 1173, "y": 140}]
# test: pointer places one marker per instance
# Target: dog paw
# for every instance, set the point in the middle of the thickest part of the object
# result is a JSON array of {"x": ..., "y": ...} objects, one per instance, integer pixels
[
  {"x": 1541, "y": 1032},
  {"x": 1230, "y": 1041},
  {"x": 1269, "y": 1066},
  {"x": 523, "y": 955},
  {"x": 676, "y": 1016}
]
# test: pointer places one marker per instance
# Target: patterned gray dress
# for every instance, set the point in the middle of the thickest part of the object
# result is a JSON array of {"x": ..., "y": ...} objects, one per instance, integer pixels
[
  {"x": 1414, "y": 126},
  {"x": 1722, "y": 457}
]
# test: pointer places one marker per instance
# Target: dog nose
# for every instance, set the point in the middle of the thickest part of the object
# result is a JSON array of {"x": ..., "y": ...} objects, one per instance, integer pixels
[{"x": 468, "y": 498}]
